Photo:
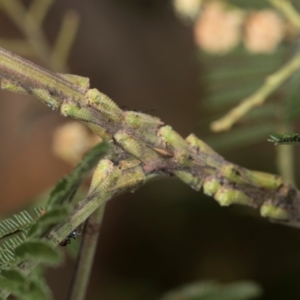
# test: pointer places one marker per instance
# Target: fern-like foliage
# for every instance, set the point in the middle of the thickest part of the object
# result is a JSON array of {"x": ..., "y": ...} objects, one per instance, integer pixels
[
  {"x": 13, "y": 232},
  {"x": 230, "y": 78},
  {"x": 16, "y": 223},
  {"x": 285, "y": 139},
  {"x": 24, "y": 287},
  {"x": 22, "y": 236},
  {"x": 7, "y": 249}
]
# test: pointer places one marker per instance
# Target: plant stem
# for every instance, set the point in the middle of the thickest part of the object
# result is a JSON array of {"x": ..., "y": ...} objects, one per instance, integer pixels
[
  {"x": 285, "y": 158},
  {"x": 287, "y": 9},
  {"x": 152, "y": 150},
  {"x": 29, "y": 75},
  {"x": 65, "y": 40},
  {"x": 29, "y": 22},
  {"x": 38, "y": 10},
  {"x": 26, "y": 23},
  {"x": 272, "y": 82},
  {"x": 85, "y": 260}
]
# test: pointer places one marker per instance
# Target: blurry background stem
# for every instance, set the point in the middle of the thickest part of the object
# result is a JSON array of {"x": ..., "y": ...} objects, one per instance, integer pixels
[
  {"x": 287, "y": 9},
  {"x": 285, "y": 158},
  {"x": 29, "y": 21},
  {"x": 87, "y": 251},
  {"x": 31, "y": 29},
  {"x": 272, "y": 82}
]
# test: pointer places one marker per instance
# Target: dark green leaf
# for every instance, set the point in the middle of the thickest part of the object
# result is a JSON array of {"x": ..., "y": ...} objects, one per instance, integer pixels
[
  {"x": 13, "y": 287},
  {"x": 13, "y": 275},
  {"x": 52, "y": 217},
  {"x": 39, "y": 289},
  {"x": 40, "y": 251},
  {"x": 60, "y": 186},
  {"x": 26, "y": 289}
]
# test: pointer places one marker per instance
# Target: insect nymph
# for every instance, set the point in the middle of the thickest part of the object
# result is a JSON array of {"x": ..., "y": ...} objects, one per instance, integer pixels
[{"x": 285, "y": 139}]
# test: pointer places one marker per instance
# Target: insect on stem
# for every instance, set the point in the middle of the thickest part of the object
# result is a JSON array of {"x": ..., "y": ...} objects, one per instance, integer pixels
[{"x": 73, "y": 235}]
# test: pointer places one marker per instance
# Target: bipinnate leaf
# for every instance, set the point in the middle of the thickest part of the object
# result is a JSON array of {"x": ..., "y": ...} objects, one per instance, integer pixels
[
  {"x": 24, "y": 287},
  {"x": 12, "y": 274},
  {"x": 39, "y": 251},
  {"x": 241, "y": 136},
  {"x": 39, "y": 289},
  {"x": 14, "y": 287},
  {"x": 16, "y": 223},
  {"x": 232, "y": 78}
]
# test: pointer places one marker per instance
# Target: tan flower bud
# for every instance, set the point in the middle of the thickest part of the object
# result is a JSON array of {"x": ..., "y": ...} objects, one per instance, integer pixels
[
  {"x": 264, "y": 30},
  {"x": 218, "y": 30},
  {"x": 72, "y": 140},
  {"x": 187, "y": 9}
]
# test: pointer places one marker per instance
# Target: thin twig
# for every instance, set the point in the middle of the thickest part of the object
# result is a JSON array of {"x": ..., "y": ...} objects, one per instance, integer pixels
[
  {"x": 272, "y": 82},
  {"x": 65, "y": 40},
  {"x": 288, "y": 10},
  {"x": 26, "y": 23},
  {"x": 38, "y": 9},
  {"x": 285, "y": 158},
  {"x": 285, "y": 163},
  {"x": 29, "y": 22},
  {"x": 85, "y": 260}
]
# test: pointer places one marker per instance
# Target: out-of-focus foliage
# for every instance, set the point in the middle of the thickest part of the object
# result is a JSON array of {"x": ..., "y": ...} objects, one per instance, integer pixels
[
  {"x": 23, "y": 237},
  {"x": 214, "y": 291},
  {"x": 230, "y": 78},
  {"x": 266, "y": 41}
]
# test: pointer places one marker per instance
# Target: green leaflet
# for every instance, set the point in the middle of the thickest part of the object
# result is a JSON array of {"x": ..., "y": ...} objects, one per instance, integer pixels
[
  {"x": 284, "y": 139},
  {"x": 7, "y": 255},
  {"x": 12, "y": 274},
  {"x": 24, "y": 287},
  {"x": 16, "y": 223},
  {"x": 40, "y": 251}
]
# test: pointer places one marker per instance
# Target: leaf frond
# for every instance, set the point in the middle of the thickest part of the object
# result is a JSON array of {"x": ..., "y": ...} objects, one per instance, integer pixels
[
  {"x": 284, "y": 139},
  {"x": 16, "y": 223},
  {"x": 7, "y": 249}
]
